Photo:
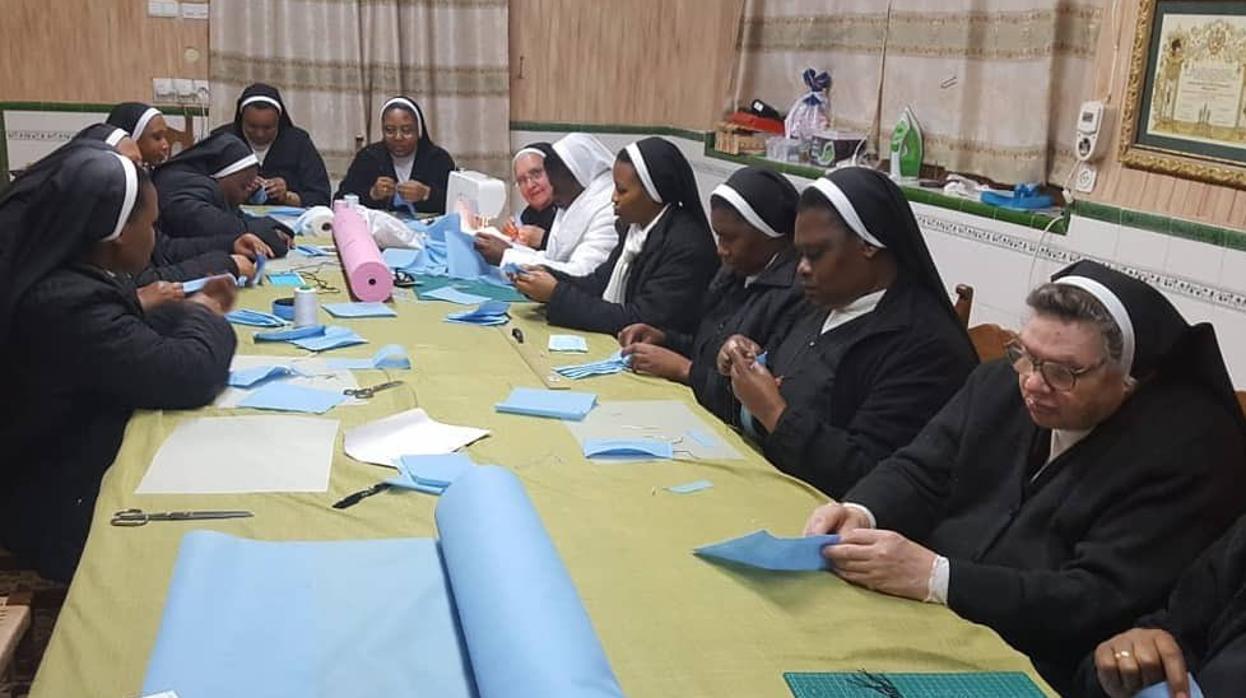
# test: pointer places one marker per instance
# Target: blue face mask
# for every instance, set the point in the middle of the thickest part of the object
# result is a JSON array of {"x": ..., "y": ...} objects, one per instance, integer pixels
[
  {"x": 627, "y": 448},
  {"x": 259, "y": 197}
]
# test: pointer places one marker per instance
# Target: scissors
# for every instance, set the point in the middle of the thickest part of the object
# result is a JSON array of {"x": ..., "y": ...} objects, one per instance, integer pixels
[
  {"x": 368, "y": 392},
  {"x": 138, "y": 517}
]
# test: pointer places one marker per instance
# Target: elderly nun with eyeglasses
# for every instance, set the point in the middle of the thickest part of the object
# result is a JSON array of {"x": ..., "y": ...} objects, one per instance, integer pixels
[{"x": 1060, "y": 493}]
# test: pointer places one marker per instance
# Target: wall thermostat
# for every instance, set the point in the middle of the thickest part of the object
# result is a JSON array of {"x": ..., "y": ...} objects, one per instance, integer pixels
[{"x": 1092, "y": 130}]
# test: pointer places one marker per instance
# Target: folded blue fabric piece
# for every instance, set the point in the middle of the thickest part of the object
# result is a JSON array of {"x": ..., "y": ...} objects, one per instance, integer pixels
[
  {"x": 746, "y": 417},
  {"x": 333, "y": 338},
  {"x": 261, "y": 264},
  {"x": 453, "y": 295},
  {"x": 250, "y": 377},
  {"x": 284, "y": 278},
  {"x": 285, "y": 211},
  {"x": 359, "y": 310},
  {"x": 391, "y": 356},
  {"x": 559, "y": 404},
  {"x": 400, "y": 258},
  {"x": 630, "y": 449},
  {"x": 462, "y": 259},
  {"x": 487, "y": 313},
  {"x": 399, "y": 201},
  {"x": 431, "y": 474},
  {"x": 290, "y": 334},
  {"x": 512, "y": 268},
  {"x": 614, "y": 363},
  {"x": 487, "y": 321},
  {"x": 690, "y": 487},
  {"x": 392, "y": 617},
  {"x": 238, "y": 608},
  {"x": 288, "y": 397},
  {"x": 764, "y": 551},
  {"x": 524, "y": 625},
  {"x": 567, "y": 342},
  {"x": 1160, "y": 690},
  {"x": 254, "y": 318},
  {"x": 196, "y": 285},
  {"x": 313, "y": 250}
]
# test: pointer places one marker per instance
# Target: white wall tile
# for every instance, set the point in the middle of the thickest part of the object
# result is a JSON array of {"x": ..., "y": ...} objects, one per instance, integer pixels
[
  {"x": 1194, "y": 260},
  {"x": 1141, "y": 248},
  {"x": 1233, "y": 270},
  {"x": 1091, "y": 237}
]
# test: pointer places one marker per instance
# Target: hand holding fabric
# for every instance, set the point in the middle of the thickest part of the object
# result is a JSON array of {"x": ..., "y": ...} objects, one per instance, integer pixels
[
  {"x": 414, "y": 191},
  {"x": 217, "y": 295},
  {"x": 658, "y": 361},
  {"x": 755, "y": 387},
  {"x": 750, "y": 349},
  {"x": 250, "y": 245},
  {"x": 491, "y": 247},
  {"x": 276, "y": 189},
  {"x": 834, "y": 517},
  {"x": 382, "y": 189},
  {"x": 536, "y": 283},
  {"x": 639, "y": 332},
  {"x": 156, "y": 294},
  {"x": 245, "y": 266},
  {"x": 884, "y": 561},
  {"x": 1138, "y": 658}
]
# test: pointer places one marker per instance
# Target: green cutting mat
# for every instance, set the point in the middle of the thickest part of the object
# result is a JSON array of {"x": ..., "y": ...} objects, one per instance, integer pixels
[
  {"x": 988, "y": 684},
  {"x": 480, "y": 288}
]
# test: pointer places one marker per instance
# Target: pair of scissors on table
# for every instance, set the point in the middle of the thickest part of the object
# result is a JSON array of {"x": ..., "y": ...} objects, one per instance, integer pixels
[
  {"x": 365, "y": 393},
  {"x": 138, "y": 517}
]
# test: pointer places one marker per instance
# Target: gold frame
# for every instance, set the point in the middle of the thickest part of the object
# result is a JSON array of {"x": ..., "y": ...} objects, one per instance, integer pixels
[{"x": 1132, "y": 154}]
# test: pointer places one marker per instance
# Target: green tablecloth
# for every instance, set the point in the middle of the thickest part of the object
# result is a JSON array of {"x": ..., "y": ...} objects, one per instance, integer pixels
[{"x": 671, "y": 624}]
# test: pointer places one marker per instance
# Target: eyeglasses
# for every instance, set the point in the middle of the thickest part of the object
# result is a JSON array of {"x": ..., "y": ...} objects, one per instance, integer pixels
[
  {"x": 531, "y": 178},
  {"x": 1057, "y": 376}
]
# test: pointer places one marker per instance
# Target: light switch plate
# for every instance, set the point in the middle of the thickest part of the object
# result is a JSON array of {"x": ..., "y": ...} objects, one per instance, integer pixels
[
  {"x": 194, "y": 10},
  {"x": 163, "y": 91},
  {"x": 162, "y": 8}
]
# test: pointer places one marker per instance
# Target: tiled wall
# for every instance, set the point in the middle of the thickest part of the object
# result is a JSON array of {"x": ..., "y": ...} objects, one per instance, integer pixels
[{"x": 1002, "y": 261}]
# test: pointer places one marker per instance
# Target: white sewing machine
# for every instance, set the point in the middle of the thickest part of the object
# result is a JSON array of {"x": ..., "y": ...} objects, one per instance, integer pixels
[{"x": 478, "y": 193}]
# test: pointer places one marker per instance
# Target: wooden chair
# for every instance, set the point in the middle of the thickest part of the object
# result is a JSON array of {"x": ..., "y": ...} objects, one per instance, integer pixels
[
  {"x": 989, "y": 341},
  {"x": 14, "y": 621},
  {"x": 964, "y": 303}
]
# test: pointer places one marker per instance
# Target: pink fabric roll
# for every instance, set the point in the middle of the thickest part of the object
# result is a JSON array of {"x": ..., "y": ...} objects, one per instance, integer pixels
[{"x": 366, "y": 274}]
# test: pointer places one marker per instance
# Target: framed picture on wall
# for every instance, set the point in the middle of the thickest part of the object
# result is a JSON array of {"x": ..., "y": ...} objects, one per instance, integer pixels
[{"x": 1185, "y": 100}]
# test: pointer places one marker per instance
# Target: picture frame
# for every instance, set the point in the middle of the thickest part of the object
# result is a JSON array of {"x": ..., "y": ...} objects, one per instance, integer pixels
[{"x": 1184, "y": 112}]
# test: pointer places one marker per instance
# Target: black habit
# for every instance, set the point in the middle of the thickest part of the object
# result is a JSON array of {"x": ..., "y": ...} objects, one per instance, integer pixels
[{"x": 432, "y": 167}]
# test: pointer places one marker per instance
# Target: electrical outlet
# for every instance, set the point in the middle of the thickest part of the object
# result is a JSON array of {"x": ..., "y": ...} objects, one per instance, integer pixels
[
  {"x": 163, "y": 91},
  {"x": 1084, "y": 181},
  {"x": 194, "y": 10},
  {"x": 185, "y": 88},
  {"x": 162, "y": 8}
]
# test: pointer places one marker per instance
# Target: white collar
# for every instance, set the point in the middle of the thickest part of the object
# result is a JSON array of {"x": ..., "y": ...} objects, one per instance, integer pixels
[
  {"x": 644, "y": 232},
  {"x": 1061, "y": 441},
  {"x": 748, "y": 280},
  {"x": 861, "y": 306}
]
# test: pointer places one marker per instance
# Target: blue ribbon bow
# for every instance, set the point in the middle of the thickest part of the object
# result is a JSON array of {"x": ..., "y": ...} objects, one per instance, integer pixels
[{"x": 818, "y": 84}]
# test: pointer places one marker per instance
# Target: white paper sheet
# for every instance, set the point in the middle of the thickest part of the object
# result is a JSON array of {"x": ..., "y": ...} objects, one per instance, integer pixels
[
  {"x": 317, "y": 374},
  {"x": 410, "y": 433},
  {"x": 230, "y": 455},
  {"x": 667, "y": 420}
]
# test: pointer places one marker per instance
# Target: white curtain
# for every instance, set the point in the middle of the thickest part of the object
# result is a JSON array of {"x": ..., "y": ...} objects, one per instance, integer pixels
[
  {"x": 336, "y": 63},
  {"x": 995, "y": 84}
]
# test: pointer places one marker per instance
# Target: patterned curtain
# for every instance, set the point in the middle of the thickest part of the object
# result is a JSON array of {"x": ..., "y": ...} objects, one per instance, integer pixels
[
  {"x": 995, "y": 84},
  {"x": 336, "y": 63}
]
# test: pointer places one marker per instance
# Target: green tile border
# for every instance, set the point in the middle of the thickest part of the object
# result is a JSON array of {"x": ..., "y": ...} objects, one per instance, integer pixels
[
  {"x": 1028, "y": 219},
  {"x": 1163, "y": 225}
]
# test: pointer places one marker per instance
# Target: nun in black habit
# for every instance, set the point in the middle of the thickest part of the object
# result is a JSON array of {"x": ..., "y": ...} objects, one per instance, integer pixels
[
  {"x": 89, "y": 354},
  {"x": 1201, "y": 632},
  {"x": 665, "y": 258},
  {"x": 147, "y": 128},
  {"x": 537, "y": 193},
  {"x": 879, "y": 354},
  {"x": 755, "y": 293},
  {"x": 405, "y": 168},
  {"x": 202, "y": 188},
  {"x": 291, "y": 168},
  {"x": 1061, "y": 492}
]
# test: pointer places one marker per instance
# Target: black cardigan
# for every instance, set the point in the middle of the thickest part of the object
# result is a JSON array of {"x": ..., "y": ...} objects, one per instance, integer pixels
[
  {"x": 1057, "y": 565},
  {"x": 432, "y": 166},
  {"x": 293, "y": 157},
  {"x": 664, "y": 288},
  {"x": 185, "y": 259},
  {"x": 763, "y": 311},
  {"x": 864, "y": 389},
  {"x": 1206, "y": 613},
  {"x": 89, "y": 358}
]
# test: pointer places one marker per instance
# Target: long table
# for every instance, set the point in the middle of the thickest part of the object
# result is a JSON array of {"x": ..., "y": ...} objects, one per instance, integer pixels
[{"x": 671, "y": 624}]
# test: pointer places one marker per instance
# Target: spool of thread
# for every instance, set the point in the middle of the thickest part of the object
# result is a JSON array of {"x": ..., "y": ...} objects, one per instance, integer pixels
[
  {"x": 367, "y": 275},
  {"x": 352, "y": 200},
  {"x": 305, "y": 306},
  {"x": 284, "y": 308},
  {"x": 320, "y": 223}
]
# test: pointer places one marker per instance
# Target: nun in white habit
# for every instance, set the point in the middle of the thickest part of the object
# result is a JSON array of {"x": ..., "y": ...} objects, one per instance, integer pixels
[{"x": 583, "y": 234}]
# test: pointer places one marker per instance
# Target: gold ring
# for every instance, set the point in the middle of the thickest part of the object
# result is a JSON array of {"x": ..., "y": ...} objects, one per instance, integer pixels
[{"x": 1122, "y": 654}]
